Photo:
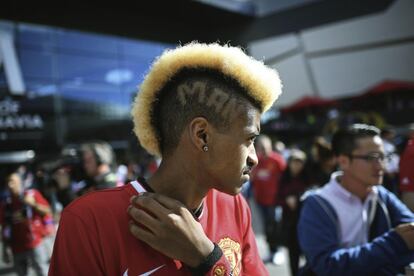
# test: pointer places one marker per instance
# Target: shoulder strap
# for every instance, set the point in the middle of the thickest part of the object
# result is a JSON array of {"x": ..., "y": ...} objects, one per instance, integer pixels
[
  {"x": 330, "y": 212},
  {"x": 379, "y": 205}
]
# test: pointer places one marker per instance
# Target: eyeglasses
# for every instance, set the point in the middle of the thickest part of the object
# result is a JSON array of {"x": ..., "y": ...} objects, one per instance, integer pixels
[{"x": 371, "y": 158}]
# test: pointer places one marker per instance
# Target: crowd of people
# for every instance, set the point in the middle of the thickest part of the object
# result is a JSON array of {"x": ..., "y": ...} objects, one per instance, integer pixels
[
  {"x": 33, "y": 196},
  {"x": 333, "y": 206},
  {"x": 184, "y": 213}
]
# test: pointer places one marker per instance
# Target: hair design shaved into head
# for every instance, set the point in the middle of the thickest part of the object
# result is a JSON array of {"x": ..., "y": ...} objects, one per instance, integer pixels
[
  {"x": 199, "y": 80},
  {"x": 197, "y": 93}
]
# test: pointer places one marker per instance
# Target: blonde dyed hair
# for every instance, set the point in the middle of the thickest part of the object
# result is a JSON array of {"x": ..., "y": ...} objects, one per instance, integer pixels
[{"x": 261, "y": 82}]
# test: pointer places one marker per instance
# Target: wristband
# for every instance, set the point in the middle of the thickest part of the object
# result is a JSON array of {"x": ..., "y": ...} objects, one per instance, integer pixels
[{"x": 208, "y": 263}]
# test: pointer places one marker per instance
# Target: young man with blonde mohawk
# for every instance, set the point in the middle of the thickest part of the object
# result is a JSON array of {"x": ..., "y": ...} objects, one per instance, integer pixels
[{"x": 198, "y": 108}]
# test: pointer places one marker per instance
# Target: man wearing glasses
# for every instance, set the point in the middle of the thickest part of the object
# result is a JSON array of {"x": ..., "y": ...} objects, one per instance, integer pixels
[{"x": 353, "y": 225}]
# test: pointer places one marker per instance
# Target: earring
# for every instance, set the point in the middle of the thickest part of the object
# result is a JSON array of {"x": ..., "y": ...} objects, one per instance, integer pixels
[{"x": 205, "y": 148}]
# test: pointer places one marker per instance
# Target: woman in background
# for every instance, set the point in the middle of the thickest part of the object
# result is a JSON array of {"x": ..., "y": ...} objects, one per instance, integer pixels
[{"x": 293, "y": 184}]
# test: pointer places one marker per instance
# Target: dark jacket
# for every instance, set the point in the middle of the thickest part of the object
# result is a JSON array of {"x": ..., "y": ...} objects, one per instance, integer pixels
[{"x": 385, "y": 254}]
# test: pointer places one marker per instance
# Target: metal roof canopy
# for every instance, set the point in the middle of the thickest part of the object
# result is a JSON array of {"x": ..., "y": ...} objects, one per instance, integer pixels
[{"x": 17, "y": 157}]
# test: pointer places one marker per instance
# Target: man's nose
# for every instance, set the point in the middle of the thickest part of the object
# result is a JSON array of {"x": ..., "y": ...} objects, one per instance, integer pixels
[
  {"x": 380, "y": 164},
  {"x": 252, "y": 159}
]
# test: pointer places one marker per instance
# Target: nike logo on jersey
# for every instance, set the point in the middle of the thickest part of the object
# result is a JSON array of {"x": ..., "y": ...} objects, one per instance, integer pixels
[{"x": 146, "y": 273}]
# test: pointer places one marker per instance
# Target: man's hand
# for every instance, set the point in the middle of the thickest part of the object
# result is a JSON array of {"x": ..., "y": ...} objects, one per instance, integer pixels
[
  {"x": 292, "y": 202},
  {"x": 41, "y": 209},
  {"x": 406, "y": 231},
  {"x": 29, "y": 200},
  {"x": 169, "y": 227}
]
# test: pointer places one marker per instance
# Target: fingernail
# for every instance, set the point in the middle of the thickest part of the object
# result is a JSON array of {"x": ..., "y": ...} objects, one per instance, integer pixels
[{"x": 132, "y": 199}]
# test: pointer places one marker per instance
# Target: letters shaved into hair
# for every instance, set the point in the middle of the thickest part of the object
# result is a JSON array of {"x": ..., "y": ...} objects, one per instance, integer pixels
[{"x": 197, "y": 93}]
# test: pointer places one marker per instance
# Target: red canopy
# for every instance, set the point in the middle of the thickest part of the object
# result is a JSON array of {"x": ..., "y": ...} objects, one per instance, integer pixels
[
  {"x": 309, "y": 101},
  {"x": 315, "y": 102},
  {"x": 388, "y": 86}
]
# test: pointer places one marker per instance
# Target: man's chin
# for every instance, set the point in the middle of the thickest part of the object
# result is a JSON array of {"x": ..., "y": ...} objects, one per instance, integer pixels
[
  {"x": 237, "y": 190},
  {"x": 245, "y": 178},
  {"x": 378, "y": 181},
  {"x": 233, "y": 192}
]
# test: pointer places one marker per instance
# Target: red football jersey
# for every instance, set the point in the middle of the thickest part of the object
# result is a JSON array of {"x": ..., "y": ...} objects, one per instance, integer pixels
[
  {"x": 25, "y": 226},
  {"x": 93, "y": 238},
  {"x": 265, "y": 178}
]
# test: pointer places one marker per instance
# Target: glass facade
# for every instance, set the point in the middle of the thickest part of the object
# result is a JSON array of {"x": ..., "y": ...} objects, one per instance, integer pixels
[{"x": 74, "y": 81}]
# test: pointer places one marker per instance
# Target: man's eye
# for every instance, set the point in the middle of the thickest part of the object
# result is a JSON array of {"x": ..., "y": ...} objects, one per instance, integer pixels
[
  {"x": 374, "y": 158},
  {"x": 371, "y": 158}
]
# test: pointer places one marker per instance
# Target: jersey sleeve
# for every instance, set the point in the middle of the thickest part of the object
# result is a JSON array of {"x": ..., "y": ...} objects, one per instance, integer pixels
[
  {"x": 221, "y": 267},
  {"x": 76, "y": 250},
  {"x": 40, "y": 199}
]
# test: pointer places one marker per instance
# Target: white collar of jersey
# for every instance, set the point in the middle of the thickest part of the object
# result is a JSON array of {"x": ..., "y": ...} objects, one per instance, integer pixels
[{"x": 138, "y": 187}]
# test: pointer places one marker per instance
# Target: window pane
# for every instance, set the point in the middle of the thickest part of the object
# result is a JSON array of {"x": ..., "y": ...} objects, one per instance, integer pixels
[
  {"x": 36, "y": 63},
  {"x": 139, "y": 67},
  {"x": 92, "y": 43},
  {"x": 96, "y": 99},
  {"x": 35, "y": 35},
  {"x": 40, "y": 88},
  {"x": 141, "y": 48},
  {"x": 89, "y": 68}
]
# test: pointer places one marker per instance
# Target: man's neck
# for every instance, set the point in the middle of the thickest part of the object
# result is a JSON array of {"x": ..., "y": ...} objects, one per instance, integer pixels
[
  {"x": 180, "y": 181},
  {"x": 102, "y": 170},
  {"x": 352, "y": 185}
]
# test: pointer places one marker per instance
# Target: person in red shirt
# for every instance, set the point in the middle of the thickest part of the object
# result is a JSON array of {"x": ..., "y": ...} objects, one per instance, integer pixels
[
  {"x": 199, "y": 109},
  {"x": 265, "y": 182},
  {"x": 23, "y": 214},
  {"x": 407, "y": 171}
]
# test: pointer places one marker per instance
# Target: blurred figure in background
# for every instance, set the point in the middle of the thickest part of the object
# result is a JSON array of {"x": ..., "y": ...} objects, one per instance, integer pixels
[
  {"x": 322, "y": 163},
  {"x": 280, "y": 147},
  {"x": 64, "y": 186},
  {"x": 98, "y": 163},
  {"x": 293, "y": 184},
  {"x": 391, "y": 161},
  {"x": 353, "y": 225},
  {"x": 407, "y": 171},
  {"x": 24, "y": 215},
  {"x": 265, "y": 183}
]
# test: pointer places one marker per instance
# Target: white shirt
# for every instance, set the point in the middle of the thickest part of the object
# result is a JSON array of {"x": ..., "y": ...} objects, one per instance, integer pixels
[{"x": 354, "y": 215}]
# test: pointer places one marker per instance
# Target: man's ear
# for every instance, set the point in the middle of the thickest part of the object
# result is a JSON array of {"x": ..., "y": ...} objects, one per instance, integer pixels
[
  {"x": 199, "y": 130},
  {"x": 343, "y": 161}
]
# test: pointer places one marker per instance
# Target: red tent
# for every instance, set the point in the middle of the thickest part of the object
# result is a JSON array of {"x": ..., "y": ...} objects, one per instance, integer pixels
[
  {"x": 388, "y": 86},
  {"x": 309, "y": 102},
  {"x": 317, "y": 102}
]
